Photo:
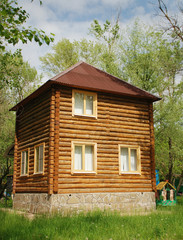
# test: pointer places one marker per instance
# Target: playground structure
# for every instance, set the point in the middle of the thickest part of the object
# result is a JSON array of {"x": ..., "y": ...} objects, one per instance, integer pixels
[{"x": 166, "y": 194}]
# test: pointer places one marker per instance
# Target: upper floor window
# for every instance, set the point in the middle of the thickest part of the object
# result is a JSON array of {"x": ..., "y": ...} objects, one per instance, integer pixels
[
  {"x": 84, "y": 103},
  {"x": 129, "y": 159},
  {"x": 24, "y": 162},
  {"x": 39, "y": 158},
  {"x": 84, "y": 157}
]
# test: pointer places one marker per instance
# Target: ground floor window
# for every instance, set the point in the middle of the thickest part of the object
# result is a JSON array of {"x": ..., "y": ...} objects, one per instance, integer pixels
[
  {"x": 24, "y": 162},
  {"x": 129, "y": 159},
  {"x": 83, "y": 157},
  {"x": 39, "y": 158}
]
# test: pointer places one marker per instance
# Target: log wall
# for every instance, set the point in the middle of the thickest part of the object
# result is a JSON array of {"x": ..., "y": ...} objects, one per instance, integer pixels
[
  {"x": 48, "y": 119},
  {"x": 33, "y": 128},
  {"x": 119, "y": 121}
]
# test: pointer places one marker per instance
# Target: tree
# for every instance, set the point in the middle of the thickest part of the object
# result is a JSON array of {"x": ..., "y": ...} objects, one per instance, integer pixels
[
  {"x": 12, "y": 31},
  {"x": 71, "y": 53},
  {"x": 109, "y": 35},
  {"x": 174, "y": 24},
  {"x": 25, "y": 82},
  {"x": 152, "y": 63},
  {"x": 12, "y": 18}
]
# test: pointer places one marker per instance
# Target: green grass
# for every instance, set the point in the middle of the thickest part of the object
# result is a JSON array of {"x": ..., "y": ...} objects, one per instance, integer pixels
[
  {"x": 6, "y": 204},
  {"x": 165, "y": 223}
]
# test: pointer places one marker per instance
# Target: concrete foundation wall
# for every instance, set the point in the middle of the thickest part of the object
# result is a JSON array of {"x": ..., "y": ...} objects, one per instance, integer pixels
[{"x": 77, "y": 202}]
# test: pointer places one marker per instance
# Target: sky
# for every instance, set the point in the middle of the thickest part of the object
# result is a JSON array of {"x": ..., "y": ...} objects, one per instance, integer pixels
[{"x": 72, "y": 18}]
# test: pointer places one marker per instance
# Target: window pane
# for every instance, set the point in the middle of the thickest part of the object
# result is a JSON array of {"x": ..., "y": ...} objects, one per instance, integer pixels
[
  {"x": 89, "y": 105},
  {"x": 124, "y": 159},
  {"x": 26, "y": 166},
  {"x": 41, "y": 158},
  {"x": 79, "y": 103},
  {"x": 78, "y": 158},
  {"x": 23, "y": 163},
  {"x": 37, "y": 159},
  {"x": 133, "y": 160},
  {"x": 89, "y": 158}
]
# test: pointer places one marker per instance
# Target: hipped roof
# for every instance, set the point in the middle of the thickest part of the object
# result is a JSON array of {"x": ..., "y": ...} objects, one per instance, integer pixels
[{"x": 85, "y": 76}]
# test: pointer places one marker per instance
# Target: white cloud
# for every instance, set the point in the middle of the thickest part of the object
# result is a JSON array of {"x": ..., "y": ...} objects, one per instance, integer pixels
[
  {"x": 123, "y": 4},
  {"x": 72, "y": 19}
]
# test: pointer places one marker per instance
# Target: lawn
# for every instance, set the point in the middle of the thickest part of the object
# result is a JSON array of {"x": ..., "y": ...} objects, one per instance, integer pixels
[{"x": 165, "y": 223}]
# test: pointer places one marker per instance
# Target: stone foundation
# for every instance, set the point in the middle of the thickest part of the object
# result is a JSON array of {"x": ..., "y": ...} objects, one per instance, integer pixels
[{"x": 77, "y": 202}]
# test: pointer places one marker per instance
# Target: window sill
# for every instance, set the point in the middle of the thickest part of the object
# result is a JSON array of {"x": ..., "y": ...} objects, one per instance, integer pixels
[
  {"x": 85, "y": 116},
  {"x": 23, "y": 175},
  {"x": 38, "y": 173},
  {"x": 129, "y": 173},
  {"x": 83, "y": 173}
]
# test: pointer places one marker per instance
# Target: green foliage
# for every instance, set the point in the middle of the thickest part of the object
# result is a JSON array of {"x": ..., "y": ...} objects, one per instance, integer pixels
[
  {"x": 6, "y": 203},
  {"x": 21, "y": 80},
  {"x": 12, "y": 31},
  {"x": 165, "y": 223},
  {"x": 109, "y": 33}
]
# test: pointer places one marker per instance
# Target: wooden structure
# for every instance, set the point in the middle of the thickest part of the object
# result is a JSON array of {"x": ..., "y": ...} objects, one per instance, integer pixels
[
  {"x": 166, "y": 194},
  {"x": 84, "y": 131}
]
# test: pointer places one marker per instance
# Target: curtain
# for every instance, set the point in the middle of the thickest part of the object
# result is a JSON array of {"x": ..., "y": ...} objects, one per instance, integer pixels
[
  {"x": 133, "y": 160},
  {"x": 79, "y": 103},
  {"x": 41, "y": 158},
  {"x": 88, "y": 158},
  {"x": 23, "y": 163},
  {"x": 124, "y": 159},
  {"x": 89, "y": 105},
  {"x": 78, "y": 158}
]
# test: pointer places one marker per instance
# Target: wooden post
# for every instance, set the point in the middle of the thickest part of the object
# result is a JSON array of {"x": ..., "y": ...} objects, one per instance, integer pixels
[
  {"x": 56, "y": 135},
  {"x": 171, "y": 195},
  {"x": 51, "y": 142},
  {"x": 152, "y": 147}
]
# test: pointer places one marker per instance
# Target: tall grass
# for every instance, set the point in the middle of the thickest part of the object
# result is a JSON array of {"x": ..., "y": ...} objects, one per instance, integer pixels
[{"x": 165, "y": 223}]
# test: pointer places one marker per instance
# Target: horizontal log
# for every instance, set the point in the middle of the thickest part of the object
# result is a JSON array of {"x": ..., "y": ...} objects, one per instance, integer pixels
[
  {"x": 78, "y": 180},
  {"x": 123, "y": 100},
  {"x": 36, "y": 141},
  {"x": 34, "y": 134},
  {"x": 103, "y": 129},
  {"x": 100, "y": 135},
  {"x": 120, "y": 104},
  {"x": 42, "y": 119},
  {"x": 120, "y": 110},
  {"x": 103, "y": 190},
  {"x": 102, "y": 125},
  {"x": 62, "y": 185},
  {"x": 35, "y": 111}
]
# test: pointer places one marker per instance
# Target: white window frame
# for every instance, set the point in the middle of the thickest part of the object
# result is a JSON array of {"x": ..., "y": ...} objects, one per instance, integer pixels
[
  {"x": 83, "y": 144},
  {"x": 130, "y": 147},
  {"x": 24, "y": 173},
  {"x": 85, "y": 93},
  {"x": 35, "y": 158}
]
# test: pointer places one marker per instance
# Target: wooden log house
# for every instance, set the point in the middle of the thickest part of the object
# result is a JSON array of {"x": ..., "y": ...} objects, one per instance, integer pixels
[{"x": 84, "y": 140}]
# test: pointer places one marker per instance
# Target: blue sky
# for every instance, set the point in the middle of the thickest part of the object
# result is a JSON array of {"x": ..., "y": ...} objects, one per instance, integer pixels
[{"x": 72, "y": 18}]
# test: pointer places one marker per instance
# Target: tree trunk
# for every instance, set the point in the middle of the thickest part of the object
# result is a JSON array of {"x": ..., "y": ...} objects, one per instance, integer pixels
[
  {"x": 180, "y": 182},
  {"x": 170, "y": 172}
]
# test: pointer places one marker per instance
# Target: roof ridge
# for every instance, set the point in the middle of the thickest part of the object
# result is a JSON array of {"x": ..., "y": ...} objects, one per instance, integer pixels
[{"x": 67, "y": 70}]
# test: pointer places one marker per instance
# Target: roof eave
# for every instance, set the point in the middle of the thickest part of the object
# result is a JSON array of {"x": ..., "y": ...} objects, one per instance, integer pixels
[{"x": 32, "y": 95}]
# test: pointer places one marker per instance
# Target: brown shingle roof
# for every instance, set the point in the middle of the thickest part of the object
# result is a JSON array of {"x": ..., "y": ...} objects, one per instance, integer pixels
[{"x": 85, "y": 76}]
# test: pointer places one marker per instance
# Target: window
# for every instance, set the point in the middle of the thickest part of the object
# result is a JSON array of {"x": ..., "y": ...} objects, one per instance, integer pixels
[
  {"x": 129, "y": 159},
  {"x": 84, "y": 103},
  {"x": 84, "y": 157},
  {"x": 39, "y": 158},
  {"x": 24, "y": 162}
]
